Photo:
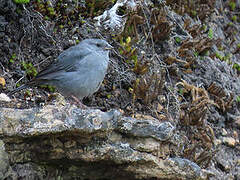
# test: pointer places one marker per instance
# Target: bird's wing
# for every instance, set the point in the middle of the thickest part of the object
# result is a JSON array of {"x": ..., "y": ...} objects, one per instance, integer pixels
[{"x": 65, "y": 61}]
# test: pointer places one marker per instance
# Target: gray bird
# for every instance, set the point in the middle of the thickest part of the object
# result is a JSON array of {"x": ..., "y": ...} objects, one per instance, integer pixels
[{"x": 78, "y": 71}]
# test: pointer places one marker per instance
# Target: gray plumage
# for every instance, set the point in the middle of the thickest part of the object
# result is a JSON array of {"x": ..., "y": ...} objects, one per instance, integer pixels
[{"x": 78, "y": 71}]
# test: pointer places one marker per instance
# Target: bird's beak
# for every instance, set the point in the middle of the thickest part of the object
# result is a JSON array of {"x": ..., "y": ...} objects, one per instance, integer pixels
[{"x": 109, "y": 47}]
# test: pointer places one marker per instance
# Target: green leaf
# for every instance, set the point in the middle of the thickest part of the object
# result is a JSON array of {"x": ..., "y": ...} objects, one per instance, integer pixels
[
  {"x": 177, "y": 39},
  {"x": 210, "y": 33},
  {"x": 232, "y": 5},
  {"x": 21, "y": 1},
  {"x": 234, "y": 18},
  {"x": 128, "y": 40},
  {"x": 238, "y": 99}
]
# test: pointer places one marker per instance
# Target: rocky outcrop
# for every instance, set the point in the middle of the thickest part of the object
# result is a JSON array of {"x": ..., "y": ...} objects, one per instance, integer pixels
[{"x": 67, "y": 142}]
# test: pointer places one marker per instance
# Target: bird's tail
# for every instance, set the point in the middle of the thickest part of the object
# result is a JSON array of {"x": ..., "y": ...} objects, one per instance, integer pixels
[{"x": 24, "y": 86}]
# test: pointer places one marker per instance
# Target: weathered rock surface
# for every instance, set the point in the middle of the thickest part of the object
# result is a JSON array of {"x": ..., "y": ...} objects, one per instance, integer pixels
[{"x": 71, "y": 143}]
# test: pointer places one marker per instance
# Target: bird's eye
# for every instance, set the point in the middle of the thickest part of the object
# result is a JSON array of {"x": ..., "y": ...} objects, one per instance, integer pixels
[{"x": 98, "y": 45}]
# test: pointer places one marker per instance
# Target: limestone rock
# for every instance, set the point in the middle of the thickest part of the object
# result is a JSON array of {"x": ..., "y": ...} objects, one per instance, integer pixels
[{"x": 67, "y": 142}]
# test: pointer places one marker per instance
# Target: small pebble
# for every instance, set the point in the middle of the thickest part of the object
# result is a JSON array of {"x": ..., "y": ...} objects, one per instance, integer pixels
[
  {"x": 224, "y": 132},
  {"x": 217, "y": 142},
  {"x": 229, "y": 141},
  {"x": 4, "y": 97},
  {"x": 237, "y": 121}
]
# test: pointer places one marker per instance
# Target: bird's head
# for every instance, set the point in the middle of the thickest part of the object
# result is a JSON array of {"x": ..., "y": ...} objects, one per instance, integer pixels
[{"x": 97, "y": 44}]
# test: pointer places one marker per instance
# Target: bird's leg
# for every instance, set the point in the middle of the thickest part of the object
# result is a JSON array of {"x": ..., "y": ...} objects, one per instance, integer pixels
[{"x": 79, "y": 103}]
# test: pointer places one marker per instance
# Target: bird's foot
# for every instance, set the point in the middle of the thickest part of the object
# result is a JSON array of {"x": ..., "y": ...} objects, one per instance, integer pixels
[{"x": 78, "y": 103}]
